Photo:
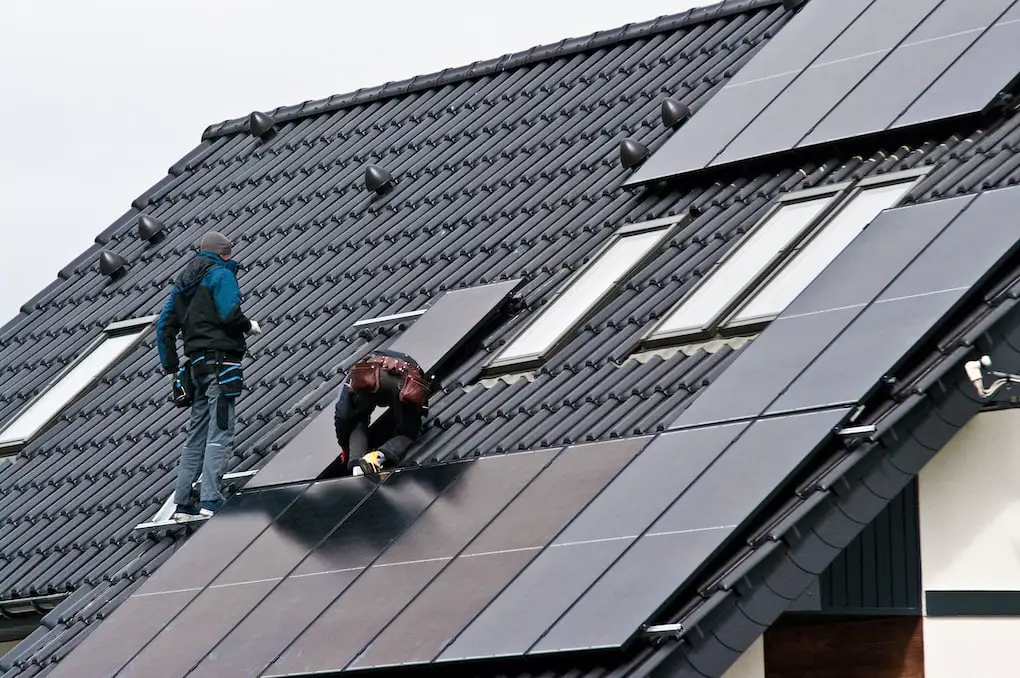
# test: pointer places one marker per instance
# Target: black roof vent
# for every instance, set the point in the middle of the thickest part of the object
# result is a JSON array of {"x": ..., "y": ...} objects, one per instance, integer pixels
[
  {"x": 260, "y": 124},
  {"x": 149, "y": 228},
  {"x": 790, "y": 5},
  {"x": 674, "y": 112},
  {"x": 110, "y": 263},
  {"x": 376, "y": 178},
  {"x": 632, "y": 153}
]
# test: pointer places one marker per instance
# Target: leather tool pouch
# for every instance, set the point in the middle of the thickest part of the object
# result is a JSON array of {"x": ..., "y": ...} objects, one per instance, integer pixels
[
  {"x": 366, "y": 377},
  {"x": 414, "y": 391},
  {"x": 183, "y": 392},
  {"x": 230, "y": 378}
]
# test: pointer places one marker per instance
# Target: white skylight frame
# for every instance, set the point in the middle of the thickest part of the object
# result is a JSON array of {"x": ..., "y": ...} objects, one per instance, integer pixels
[
  {"x": 834, "y": 203},
  {"x": 518, "y": 355},
  {"x": 116, "y": 340}
]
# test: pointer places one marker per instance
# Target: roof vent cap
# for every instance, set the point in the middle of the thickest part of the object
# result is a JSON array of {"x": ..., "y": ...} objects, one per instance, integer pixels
[
  {"x": 149, "y": 227},
  {"x": 790, "y": 5},
  {"x": 674, "y": 112},
  {"x": 376, "y": 178},
  {"x": 260, "y": 124},
  {"x": 632, "y": 153},
  {"x": 110, "y": 263}
]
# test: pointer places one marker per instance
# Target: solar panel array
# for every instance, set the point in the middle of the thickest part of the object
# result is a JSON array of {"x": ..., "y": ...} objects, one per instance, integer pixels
[
  {"x": 848, "y": 68},
  {"x": 435, "y": 336},
  {"x": 857, "y": 320},
  {"x": 557, "y": 550}
]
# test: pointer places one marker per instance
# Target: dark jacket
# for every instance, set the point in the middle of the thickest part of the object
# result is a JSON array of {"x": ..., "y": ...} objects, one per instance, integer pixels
[{"x": 205, "y": 308}]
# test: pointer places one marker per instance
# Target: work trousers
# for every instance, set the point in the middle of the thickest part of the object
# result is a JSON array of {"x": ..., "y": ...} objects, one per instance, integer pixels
[{"x": 210, "y": 442}]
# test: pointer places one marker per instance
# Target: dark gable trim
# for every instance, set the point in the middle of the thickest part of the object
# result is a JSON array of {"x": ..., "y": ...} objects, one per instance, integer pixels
[{"x": 972, "y": 603}]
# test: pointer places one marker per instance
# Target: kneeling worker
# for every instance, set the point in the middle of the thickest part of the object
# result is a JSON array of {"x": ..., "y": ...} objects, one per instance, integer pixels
[{"x": 381, "y": 379}]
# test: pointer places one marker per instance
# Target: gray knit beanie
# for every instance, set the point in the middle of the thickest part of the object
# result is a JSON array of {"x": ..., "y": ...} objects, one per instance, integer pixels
[{"x": 214, "y": 242}]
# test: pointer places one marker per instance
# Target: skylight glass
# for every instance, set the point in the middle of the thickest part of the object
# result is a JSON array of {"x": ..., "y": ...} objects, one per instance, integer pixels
[
  {"x": 582, "y": 294},
  {"x": 819, "y": 252},
  {"x": 738, "y": 270},
  {"x": 39, "y": 412}
]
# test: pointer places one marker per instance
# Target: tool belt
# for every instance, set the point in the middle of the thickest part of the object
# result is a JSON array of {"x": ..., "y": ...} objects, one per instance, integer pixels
[
  {"x": 227, "y": 369},
  {"x": 366, "y": 377}
]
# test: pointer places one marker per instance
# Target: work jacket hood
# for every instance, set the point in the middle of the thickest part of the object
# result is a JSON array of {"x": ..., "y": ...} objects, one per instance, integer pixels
[{"x": 196, "y": 269}]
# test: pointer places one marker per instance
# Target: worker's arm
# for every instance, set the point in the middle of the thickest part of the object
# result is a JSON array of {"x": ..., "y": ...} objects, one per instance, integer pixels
[{"x": 167, "y": 328}]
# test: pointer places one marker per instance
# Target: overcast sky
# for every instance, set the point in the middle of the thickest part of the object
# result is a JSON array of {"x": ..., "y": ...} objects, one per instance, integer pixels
[{"x": 100, "y": 97}]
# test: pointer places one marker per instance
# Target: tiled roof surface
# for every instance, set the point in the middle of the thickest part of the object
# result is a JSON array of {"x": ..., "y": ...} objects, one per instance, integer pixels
[{"x": 506, "y": 169}]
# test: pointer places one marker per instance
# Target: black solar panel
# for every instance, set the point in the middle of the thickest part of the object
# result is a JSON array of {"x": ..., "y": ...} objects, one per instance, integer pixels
[
  {"x": 281, "y": 616},
  {"x": 534, "y": 601},
  {"x": 590, "y": 544},
  {"x": 285, "y": 542},
  {"x": 451, "y": 321},
  {"x": 903, "y": 76},
  {"x": 353, "y": 620},
  {"x": 306, "y": 456},
  {"x": 766, "y": 367},
  {"x": 860, "y": 67},
  {"x": 192, "y": 633},
  {"x": 250, "y": 577},
  {"x": 988, "y": 65},
  {"x": 703, "y": 517}
]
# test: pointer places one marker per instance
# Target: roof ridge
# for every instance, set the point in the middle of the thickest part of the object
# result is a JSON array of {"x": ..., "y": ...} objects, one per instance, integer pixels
[{"x": 567, "y": 46}]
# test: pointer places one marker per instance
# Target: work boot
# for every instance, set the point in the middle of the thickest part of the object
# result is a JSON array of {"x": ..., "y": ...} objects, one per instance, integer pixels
[
  {"x": 209, "y": 508},
  {"x": 183, "y": 512},
  {"x": 371, "y": 463}
]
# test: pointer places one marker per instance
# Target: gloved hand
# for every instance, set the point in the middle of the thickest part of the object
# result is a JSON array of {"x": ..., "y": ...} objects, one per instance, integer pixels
[{"x": 255, "y": 329}]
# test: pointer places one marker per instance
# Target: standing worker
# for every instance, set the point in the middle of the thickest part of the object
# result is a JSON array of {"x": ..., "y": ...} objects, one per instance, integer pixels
[
  {"x": 205, "y": 308},
  {"x": 382, "y": 379}
]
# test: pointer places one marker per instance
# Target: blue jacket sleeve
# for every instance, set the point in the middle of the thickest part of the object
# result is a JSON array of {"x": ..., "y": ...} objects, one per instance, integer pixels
[
  {"x": 167, "y": 328},
  {"x": 227, "y": 297}
]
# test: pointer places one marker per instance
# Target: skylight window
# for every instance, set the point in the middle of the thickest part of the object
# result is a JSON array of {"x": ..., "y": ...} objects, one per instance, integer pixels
[
  {"x": 115, "y": 341},
  {"x": 772, "y": 264},
  {"x": 587, "y": 291}
]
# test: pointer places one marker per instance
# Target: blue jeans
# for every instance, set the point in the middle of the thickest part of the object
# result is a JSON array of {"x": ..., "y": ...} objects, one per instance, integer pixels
[{"x": 210, "y": 442}]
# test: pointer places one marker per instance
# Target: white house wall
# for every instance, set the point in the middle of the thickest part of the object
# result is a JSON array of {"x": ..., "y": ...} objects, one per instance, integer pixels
[{"x": 969, "y": 508}]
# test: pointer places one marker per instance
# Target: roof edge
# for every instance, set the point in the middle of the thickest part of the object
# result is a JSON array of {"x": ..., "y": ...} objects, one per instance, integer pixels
[{"x": 565, "y": 47}]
